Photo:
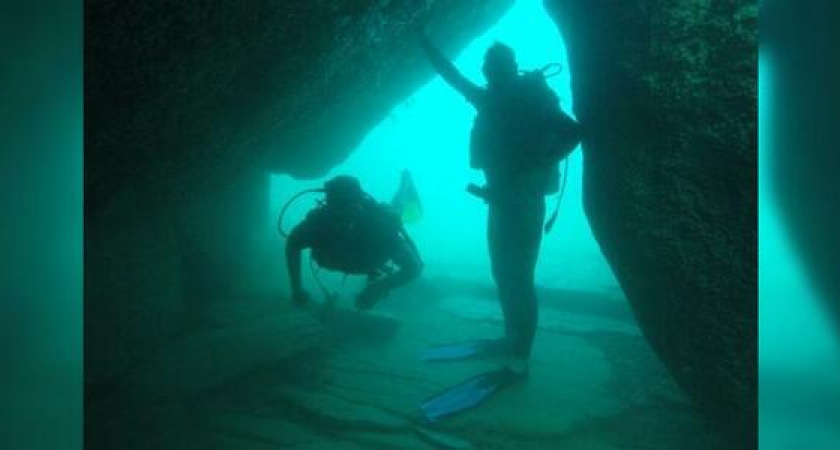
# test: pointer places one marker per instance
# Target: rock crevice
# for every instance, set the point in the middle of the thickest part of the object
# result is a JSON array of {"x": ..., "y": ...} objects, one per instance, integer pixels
[{"x": 666, "y": 92}]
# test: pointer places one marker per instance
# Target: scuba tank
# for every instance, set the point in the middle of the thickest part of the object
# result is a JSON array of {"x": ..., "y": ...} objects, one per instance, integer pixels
[{"x": 540, "y": 99}]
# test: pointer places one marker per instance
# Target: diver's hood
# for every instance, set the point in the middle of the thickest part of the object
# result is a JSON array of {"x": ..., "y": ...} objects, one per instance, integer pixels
[{"x": 343, "y": 189}]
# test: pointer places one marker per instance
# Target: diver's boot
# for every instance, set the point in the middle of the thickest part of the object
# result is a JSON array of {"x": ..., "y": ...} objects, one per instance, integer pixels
[
  {"x": 519, "y": 366},
  {"x": 518, "y": 356}
]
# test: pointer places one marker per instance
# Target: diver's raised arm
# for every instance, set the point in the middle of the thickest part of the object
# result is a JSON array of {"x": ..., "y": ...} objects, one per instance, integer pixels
[{"x": 449, "y": 72}]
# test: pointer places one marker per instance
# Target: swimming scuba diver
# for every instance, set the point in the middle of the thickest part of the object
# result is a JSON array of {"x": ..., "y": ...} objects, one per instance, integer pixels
[
  {"x": 519, "y": 136},
  {"x": 350, "y": 232}
]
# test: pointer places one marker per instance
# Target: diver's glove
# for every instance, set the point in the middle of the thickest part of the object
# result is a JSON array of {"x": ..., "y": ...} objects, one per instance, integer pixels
[
  {"x": 478, "y": 191},
  {"x": 370, "y": 296}
]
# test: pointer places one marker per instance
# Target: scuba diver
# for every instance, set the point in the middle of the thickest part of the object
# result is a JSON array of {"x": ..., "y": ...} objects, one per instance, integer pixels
[
  {"x": 350, "y": 232},
  {"x": 518, "y": 139}
]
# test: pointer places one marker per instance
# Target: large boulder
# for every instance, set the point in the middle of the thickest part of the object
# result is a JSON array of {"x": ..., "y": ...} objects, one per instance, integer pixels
[
  {"x": 666, "y": 91},
  {"x": 286, "y": 86}
]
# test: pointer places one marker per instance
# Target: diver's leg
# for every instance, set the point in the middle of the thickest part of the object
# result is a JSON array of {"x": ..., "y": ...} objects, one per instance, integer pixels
[
  {"x": 530, "y": 230},
  {"x": 407, "y": 259},
  {"x": 497, "y": 234},
  {"x": 515, "y": 233}
]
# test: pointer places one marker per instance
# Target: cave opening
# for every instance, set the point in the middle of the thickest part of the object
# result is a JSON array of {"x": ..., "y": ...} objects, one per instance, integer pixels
[
  {"x": 198, "y": 258},
  {"x": 427, "y": 134}
]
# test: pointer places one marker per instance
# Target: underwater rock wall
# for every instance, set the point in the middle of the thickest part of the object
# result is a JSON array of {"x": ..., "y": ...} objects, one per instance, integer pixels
[
  {"x": 188, "y": 107},
  {"x": 666, "y": 91}
]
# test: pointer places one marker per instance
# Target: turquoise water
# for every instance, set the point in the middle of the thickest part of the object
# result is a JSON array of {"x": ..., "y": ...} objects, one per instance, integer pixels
[
  {"x": 799, "y": 355},
  {"x": 41, "y": 175},
  {"x": 428, "y": 135}
]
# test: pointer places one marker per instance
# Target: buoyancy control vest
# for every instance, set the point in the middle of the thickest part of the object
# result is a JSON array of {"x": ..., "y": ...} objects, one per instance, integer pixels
[
  {"x": 355, "y": 240},
  {"x": 513, "y": 132}
]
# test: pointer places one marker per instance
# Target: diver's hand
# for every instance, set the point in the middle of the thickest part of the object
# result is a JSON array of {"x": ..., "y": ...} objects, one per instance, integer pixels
[
  {"x": 370, "y": 295},
  {"x": 300, "y": 297}
]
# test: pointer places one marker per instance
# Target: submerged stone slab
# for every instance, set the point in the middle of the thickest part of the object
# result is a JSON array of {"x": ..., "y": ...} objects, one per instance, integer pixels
[
  {"x": 274, "y": 431},
  {"x": 568, "y": 383},
  {"x": 324, "y": 408},
  {"x": 443, "y": 440},
  {"x": 351, "y": 324},
  {"x": 402, "y": 441},
  {"x": 330, "y": 444},
  {"x": 550, "y": 319},
  {"x": 587, "y": 390},
  {"x": 200, "y": 362},
  {"x": 566, "y": 386}
]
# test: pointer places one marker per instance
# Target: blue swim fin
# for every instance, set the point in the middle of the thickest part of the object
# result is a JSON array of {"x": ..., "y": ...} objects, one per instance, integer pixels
[
  {"x": 468, "y": 394},
  {"x": 461, "y": 351}
]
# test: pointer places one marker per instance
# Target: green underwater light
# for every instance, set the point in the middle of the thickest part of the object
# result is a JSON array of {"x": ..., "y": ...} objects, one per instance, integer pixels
[
  {"x": 799, "y": 355},
  {"x": 427, "y": 135}
]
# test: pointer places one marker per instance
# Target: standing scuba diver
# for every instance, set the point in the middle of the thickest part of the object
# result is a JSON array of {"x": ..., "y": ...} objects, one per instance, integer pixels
[
  {"x": 350, "y": 232},
  {"x": 519, "y": 136}
]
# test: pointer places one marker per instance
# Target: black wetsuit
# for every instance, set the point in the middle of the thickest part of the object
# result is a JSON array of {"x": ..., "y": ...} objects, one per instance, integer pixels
[
  {"x": 516, "y": 188},
  {"x": 361, "y": 239}
]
